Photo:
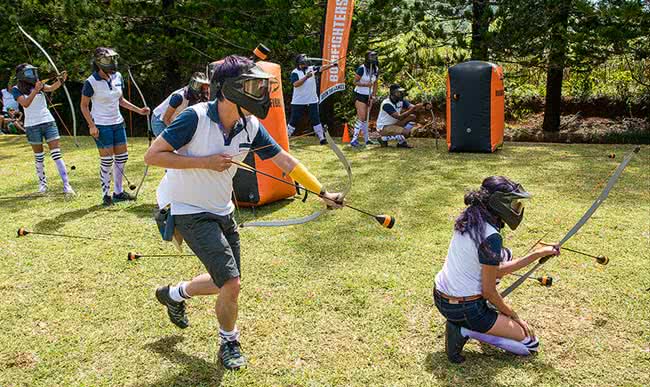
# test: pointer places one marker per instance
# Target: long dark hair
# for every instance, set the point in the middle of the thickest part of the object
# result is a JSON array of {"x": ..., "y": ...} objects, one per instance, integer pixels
[{"x": 474, "y": 218}]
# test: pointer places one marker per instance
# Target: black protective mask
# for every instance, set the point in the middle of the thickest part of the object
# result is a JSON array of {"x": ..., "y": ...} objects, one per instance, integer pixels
[
  {"x": 250, "y": 90},
  {"x": 107, "y": 61},
  {"x": 508, "y": 206},
  {"x": 28, "y": 74}
]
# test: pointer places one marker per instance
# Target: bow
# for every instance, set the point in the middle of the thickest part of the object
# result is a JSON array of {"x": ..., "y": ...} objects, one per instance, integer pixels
[
  {"x": 146, "y": 167},
  {"x": 430, "y": 103},
  {"x": 601, "y": 198},
  {"x": 67, "y": 93},
  {"x": 317, "y": 213}
]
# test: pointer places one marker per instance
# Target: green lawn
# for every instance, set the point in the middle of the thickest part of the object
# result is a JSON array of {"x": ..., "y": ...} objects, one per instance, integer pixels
[{"x": 337, "y": 301}]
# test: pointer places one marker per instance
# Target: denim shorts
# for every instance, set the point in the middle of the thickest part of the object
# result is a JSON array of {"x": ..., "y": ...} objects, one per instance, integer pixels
[
  {"x": 474, "y": 315},
  {"x": 47, "y": 131},
  {"x": 157, "y": 125},
  {"x": 215, "y": 240},
  {"x": 111, "y": 135}
]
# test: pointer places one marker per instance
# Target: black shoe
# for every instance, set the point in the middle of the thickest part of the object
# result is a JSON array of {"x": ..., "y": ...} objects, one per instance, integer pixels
[
  {"x": 384, "y": 144},
  {"x": 323, "y": 142},
  {"x": 454, "y": 343},
  {"x": 230, "y": 355},
  {"x": 175, "y": 310},
  {"x": 122, "y": 196},
  {"x": 404, "y": 145},
  {"x": 107, "y": 201}
]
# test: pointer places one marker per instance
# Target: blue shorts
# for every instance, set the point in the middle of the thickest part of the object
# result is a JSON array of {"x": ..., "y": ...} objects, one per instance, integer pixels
[
  {"x": 111, "y": 135},
  {"x": 298, "y": 110},
  {"x": 157, "y": 125},
  {"x": 474, "y": 315},
  {"x": 47, "y": 131}
]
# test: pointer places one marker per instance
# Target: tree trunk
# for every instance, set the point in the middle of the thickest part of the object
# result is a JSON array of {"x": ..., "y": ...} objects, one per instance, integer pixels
[
  {"x": 555, "y": 72},
  {"x": 480, "y": 25}
]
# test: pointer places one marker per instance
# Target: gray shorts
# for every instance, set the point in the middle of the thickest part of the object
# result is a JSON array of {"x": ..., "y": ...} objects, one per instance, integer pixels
[{"x": 215, "y": 240}]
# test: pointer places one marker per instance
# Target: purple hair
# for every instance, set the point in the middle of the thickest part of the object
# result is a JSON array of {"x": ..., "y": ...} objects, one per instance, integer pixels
[
  {"x": 477, "y": 214},
  {"x": 229, "y": 67}
]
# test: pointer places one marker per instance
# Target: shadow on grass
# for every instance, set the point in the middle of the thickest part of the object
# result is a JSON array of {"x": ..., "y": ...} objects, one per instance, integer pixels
[
  {"x": 55, "y": 223},
  {"x": 196, "y": 372},
  {"x": 480, "y": 368}
]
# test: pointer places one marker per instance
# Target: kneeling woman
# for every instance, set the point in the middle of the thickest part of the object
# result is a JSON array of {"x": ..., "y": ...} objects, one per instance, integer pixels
[{"x": 475, "y": 261}]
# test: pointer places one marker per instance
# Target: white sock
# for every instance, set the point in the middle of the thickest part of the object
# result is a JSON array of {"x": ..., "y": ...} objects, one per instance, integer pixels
[
  {"x": 400, "y": 139},
  {"x": 357, "y": 127},
  {"x": 531, "y": 343},
  {"x": 512, "y": 346},
  {"x": 118, "y": 171},
  {"x": 319, "y": 131},
  {"x": 60, "y": 165},
  {"x": 105, "y": 167},
  {"x": 290, "y": 129},
  {"x": 229, "y": 336},
  {"x": 178, "y": 293},
  {"x": 39, "y": 159}
]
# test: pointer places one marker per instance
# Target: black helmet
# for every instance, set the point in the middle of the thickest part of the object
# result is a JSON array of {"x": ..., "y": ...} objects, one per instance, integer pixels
[
  {"x": 195, "y": 85},
  {"x": 371, "y": 58},
  {"x": 243, "y": 83},
  {"x": 397, "y": 93},
  {"x": 301, "y": 59},
  {"x": 27, "y": 73},
  {"x": 508, "y": 204},
  {"x": 106, "y": 59}
]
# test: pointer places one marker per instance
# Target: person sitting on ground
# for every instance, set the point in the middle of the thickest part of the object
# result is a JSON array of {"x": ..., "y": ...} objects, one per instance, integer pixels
[
  {"x": 476, "y": 259},
  {"x": 396, "y": 117},
  {"x": 13, "y": 122},
  {"x": 197, "y": 90},
  {"x": 8, "y": 102},
  {"x": 305, "y": 95}
]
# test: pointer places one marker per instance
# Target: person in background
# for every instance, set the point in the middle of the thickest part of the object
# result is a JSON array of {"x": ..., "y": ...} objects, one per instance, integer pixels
[
  {"x": 104, "y": 88},
  {"x": 365, "y": 81},
  {"x": 396, "y": 117},
  {"x": 197, "y": 90},
  {"x": 305, "y": 95},
  {"x": 29, "y": 92}
]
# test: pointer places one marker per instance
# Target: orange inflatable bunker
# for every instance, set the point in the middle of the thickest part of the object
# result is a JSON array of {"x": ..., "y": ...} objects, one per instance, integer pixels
[
  {"x": 252, "y": 189},
  {"x": 475, "y": 107}
]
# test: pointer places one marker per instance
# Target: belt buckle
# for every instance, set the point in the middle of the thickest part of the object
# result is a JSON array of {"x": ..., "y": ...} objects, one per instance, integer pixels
[{"x": 454, "y": 302}]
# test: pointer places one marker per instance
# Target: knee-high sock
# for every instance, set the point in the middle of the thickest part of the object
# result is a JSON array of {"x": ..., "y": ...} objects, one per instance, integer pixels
[
  {"x": 409, "y": 125},
  {"x": 400, "y": 138},
  {"x": 319, "y": 131},
  {"x": 391, "y": 138},
  {"x": 39, "y": 160},
  {"x": 118, "y": 171},
  {"x": 60, "y": 165},
  {"x": 366, "y": 133},
  {"x": 510, "y": 345},
  {"x": 290, "y": 130},
  {"x": 357, "y": 127},
  {"x": 105, "y": 168}
]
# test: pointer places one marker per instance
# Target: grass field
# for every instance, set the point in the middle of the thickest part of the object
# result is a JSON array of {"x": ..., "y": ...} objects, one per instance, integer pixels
[{"x": 337, "y": 301}]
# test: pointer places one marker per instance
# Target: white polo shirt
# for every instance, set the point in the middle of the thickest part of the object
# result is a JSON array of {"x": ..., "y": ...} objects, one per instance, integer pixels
[
  {"x": 197, "y": 132},
  {"x": 306, "y": 93},
  {"x": 177, "y": 100},
  {"x": 37, "y": 112},
  {"x": 367, "y": 76},
  {"x": 105, "y": 97}
]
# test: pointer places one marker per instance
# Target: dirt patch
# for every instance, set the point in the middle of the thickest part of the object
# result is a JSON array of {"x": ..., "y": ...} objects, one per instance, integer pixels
[{"x": 21, "y": 360}]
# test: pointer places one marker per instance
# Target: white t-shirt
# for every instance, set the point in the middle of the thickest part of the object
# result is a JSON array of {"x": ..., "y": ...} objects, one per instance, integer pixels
[
  {"x": 178, "y": 95},
  {"x": 37, "y": 112},
  {"x": 306, "y": 93},
  {"x": 105, "y": 97},
  {"x": 461, "y": 273},
  {"x": 366, "y": 77},
  {"x": 197, "y": 132},
  {"x": 8, "y": 101}
]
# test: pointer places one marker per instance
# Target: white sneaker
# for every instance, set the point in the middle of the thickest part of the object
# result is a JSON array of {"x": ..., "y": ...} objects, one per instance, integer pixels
[{"x": 67, "y": 190}]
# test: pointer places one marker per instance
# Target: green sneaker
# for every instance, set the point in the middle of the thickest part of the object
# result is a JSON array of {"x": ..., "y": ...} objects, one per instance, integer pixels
[{"x": 230, "y": 355}]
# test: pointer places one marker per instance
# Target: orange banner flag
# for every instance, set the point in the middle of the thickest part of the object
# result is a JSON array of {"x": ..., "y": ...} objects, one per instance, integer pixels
[{"x": 335, "y": 46}]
